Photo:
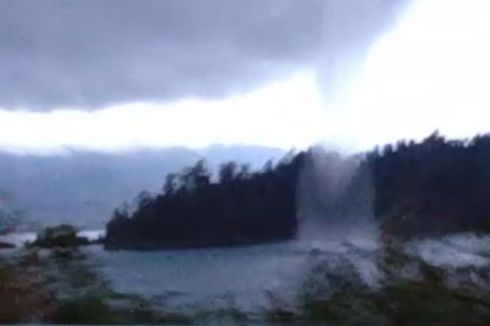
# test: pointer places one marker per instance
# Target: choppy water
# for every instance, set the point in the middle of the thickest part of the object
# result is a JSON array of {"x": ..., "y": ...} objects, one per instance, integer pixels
[
  {"x": 205, "y": 279},
  {"x": 239, "y": 277},
  {"x": 249, "y": 278}
]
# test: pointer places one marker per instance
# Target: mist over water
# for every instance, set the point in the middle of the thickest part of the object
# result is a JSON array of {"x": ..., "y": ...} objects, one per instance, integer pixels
[{"x": 335, "y": 197}]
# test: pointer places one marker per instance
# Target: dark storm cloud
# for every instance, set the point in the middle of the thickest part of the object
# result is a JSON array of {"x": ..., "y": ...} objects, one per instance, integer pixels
[{"x": 91, "y": 53}]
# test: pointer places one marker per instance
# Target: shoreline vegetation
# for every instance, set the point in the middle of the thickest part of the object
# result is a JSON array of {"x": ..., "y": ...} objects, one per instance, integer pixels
[
  {"x": 192, "y": 211},
  {"x": 431, "y": 188}
]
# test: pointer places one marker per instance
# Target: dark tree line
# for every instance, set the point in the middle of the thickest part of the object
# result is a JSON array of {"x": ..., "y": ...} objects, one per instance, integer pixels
[
  {"x": 192, "y": 211},
  {"x": 434, "y": 187}
]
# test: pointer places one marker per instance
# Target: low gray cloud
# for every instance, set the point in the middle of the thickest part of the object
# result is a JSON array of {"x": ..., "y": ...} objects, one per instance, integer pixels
[{"x": 92, "y": 53}]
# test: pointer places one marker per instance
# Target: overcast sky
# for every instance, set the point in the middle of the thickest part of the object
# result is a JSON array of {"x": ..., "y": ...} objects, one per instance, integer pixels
[{"x": 114, "y": 74}]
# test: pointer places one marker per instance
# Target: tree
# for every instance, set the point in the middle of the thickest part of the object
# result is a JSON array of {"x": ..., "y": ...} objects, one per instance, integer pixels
[
  {"x": 268, "y": 166},
  {"x": 227, "y": 172},
  {"x": 143, "y": 199},
  {"x": 196, "y": 176},
  {"x": 201, "y": 174},
  {"x": 170, "y": 184},
  {"x": 122, "y": 211},
  {"x": 244, "y": 171}
]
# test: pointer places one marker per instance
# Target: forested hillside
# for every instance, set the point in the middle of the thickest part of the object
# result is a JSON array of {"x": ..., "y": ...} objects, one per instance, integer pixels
[
  {"x": 242, "y": 207},
  {"x": 432, "y": 187}
]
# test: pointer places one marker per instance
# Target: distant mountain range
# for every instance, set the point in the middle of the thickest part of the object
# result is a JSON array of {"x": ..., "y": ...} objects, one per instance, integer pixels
[{"x": 82, "y": 188}]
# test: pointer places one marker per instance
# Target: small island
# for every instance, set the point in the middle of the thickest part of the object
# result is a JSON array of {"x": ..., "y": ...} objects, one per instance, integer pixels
[{"x": 241, "y": 207}]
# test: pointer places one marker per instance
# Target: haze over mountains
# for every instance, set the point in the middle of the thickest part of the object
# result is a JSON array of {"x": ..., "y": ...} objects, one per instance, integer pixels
[{"x": 83, "y": 188}]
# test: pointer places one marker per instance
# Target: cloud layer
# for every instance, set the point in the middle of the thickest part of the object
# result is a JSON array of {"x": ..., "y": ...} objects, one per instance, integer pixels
[{"x": 89, "y": 54}]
